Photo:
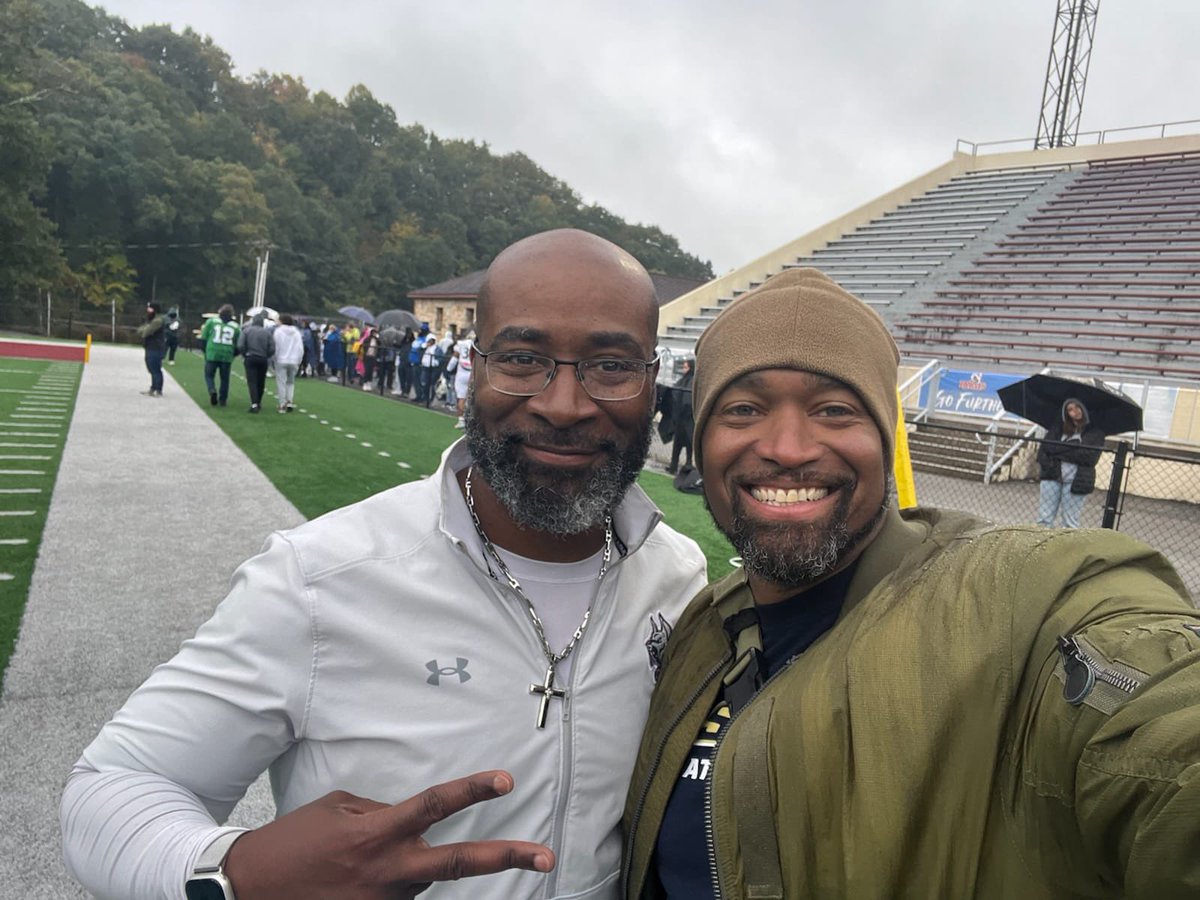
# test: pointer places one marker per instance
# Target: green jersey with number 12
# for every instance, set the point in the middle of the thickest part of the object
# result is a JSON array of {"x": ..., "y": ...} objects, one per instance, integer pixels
[{"x": 220, "y": 339}]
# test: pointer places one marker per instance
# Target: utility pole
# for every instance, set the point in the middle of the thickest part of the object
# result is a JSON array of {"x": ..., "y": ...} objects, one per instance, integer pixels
[{"x": 1066, "y": 73}]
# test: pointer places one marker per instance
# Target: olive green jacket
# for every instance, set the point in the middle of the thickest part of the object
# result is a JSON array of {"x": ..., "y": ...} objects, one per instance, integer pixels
[{"x": 924, "y": 747}]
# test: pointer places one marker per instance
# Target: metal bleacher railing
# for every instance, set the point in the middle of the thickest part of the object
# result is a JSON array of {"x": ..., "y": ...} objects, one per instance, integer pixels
[{"x": 1159, "y": 129}]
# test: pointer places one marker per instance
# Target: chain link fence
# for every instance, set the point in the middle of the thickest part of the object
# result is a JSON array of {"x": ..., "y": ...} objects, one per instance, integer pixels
[
  {"x": 69, "y": 318},
  {"x": 1145, "y": 492}
]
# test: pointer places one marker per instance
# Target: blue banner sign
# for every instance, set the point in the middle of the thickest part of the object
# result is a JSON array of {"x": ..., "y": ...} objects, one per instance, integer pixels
[{"x": 969, "y": 393}]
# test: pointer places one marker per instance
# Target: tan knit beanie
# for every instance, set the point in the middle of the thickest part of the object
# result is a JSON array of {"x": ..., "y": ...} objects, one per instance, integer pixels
[{"x": 799, "y": 319}]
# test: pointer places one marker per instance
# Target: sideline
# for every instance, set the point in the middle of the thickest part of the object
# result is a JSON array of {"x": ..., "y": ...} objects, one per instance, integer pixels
[{"x": 153, "y": 509}]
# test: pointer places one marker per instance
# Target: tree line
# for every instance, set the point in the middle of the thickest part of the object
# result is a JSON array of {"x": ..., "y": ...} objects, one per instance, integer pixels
[{"x": 135, "y": 163}]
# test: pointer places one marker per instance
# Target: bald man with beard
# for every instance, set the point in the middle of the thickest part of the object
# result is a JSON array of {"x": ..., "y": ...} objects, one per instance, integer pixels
[{"x": 503, "y": 617}]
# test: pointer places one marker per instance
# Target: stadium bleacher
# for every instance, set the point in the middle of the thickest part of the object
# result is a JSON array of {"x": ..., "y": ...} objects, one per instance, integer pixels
[{"x": 1089, "y": 264}]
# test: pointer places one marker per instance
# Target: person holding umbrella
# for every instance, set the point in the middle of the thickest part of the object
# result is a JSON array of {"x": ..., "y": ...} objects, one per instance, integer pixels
[
  {"x": 1067, "y": 463},
  {"x": 1077, "y": 415}
]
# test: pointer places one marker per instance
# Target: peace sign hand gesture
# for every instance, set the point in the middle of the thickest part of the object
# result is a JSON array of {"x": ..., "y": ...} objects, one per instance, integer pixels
[{"x": 350, "y": 848}]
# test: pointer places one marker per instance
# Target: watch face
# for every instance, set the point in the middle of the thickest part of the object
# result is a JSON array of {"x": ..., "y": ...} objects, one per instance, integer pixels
[{"x": 204, "y": 889}]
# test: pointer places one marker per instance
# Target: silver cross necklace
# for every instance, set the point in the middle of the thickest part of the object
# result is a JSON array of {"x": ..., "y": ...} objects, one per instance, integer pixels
[{"x": 546, "y": 689}]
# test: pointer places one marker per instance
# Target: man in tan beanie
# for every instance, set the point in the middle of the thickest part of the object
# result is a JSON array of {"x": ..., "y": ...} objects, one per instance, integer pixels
[{"x": 883, "y": 705}]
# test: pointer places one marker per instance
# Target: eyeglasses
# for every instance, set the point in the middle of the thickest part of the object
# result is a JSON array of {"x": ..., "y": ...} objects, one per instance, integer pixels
[{"x": 521, "y": 374}]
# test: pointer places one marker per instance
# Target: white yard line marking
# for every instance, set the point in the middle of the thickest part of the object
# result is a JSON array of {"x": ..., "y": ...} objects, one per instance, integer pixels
[
  {"x": 404, "y": 465},
  {"x": 18, "y": 512},
  {"x": 25, "y": 445},
  {"x": 14, "y": 542},
  {"x": 22, "y": 456},
  {"x": 36, "y": 434},
  {"x": 20, "y": 490},
  {"x": 56, "y": 417},
  {"x": 335, "y": 427},
  {"x": 385, "y": 454},
  {"x": 366, "y": 443},
  {"x": 20, "y": 472},
  {"x": 5, "y": 576}
]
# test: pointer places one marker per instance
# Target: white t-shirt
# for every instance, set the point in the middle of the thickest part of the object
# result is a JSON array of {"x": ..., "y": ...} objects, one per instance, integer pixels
[{"x": 560, "y": 592}]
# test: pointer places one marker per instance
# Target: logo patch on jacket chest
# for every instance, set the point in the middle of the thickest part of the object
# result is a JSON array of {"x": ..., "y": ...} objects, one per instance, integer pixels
[{"x": 656, "y": 642}]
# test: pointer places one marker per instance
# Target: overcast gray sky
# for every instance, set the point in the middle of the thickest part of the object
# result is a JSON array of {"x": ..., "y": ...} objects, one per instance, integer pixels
[{"x": 734, "y": 126}]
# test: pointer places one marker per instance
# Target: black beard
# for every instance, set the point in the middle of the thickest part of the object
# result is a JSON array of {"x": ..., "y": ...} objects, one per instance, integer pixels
[
  {"x": 797, "y": 555},
  {"x": 546, "y": 498}
]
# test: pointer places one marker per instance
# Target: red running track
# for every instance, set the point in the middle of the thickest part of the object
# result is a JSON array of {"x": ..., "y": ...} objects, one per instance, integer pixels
[{"x": 42, "y": 350}]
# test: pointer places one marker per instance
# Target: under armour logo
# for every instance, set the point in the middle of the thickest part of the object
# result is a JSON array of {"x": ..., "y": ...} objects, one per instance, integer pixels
[{"x": 437, "y": 672}]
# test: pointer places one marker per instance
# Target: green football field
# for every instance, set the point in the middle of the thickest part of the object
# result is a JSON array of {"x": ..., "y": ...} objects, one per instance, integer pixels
[
  {"x": 344, "y": 444},
  {"x": 37, "y": 398}
]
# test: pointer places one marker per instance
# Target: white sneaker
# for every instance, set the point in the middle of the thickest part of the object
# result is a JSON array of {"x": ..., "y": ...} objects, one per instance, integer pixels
[
  {"x": 367, "y": 387},
  {"x": 461, "y": 423}
]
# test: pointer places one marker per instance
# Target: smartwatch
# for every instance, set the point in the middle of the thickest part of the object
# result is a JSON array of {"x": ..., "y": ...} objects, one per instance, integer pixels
[{"x": 208, "y": 881}]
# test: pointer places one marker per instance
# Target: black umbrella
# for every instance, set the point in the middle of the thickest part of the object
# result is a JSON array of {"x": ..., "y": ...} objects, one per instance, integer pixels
[
  {"x": 398, "y": 318},
  {"x": 357, "y": 312},
  {"x": 1040, "y": 399}
]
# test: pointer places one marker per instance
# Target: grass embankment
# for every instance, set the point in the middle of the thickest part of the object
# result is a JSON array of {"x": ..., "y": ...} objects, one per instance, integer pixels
[
  {"x": 344, "y": 444},
  {"x": 37, "y": 399}
]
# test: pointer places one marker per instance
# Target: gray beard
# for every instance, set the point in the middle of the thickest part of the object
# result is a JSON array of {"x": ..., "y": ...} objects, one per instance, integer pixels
[
  {"x": 543, "y": 498},
  {"x": 796, "y": 556}
]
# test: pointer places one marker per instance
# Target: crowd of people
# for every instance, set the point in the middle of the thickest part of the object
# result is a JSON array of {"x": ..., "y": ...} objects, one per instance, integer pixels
[{"x": 416, "y": 364}]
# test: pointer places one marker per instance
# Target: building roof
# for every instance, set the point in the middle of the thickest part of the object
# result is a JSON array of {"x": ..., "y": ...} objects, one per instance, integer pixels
[
  {"x": 462, "y": 287},
  {"x": 466, "y": 287}
]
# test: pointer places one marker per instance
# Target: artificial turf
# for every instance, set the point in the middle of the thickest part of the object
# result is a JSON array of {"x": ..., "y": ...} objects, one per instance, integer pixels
[
  {"x": 317, "y": 459},
  {"x": 21, "y": 494}
]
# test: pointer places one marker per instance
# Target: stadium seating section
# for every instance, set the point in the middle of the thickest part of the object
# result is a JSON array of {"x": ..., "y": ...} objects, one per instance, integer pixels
[{"x": 1091, "y": 265}]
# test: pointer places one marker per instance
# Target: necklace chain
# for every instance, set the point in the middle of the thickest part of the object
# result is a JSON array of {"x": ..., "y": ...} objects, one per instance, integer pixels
[{"x": 490, "y": 551}]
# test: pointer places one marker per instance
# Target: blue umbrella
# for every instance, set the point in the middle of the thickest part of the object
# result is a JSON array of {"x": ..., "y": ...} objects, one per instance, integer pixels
[{"x": 357, "y": 312}]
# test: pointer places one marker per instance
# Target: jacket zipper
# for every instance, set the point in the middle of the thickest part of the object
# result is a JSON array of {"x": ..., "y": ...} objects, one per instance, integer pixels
[
  {"x": 627, "y": 866},
  {"x": 1084, "y": 670},
  {"x": 568, "y": 765},
  {"x": 709, "y": 831},
  {"x": 568, "y": 756},
  {"x": 710, "y": 839}
]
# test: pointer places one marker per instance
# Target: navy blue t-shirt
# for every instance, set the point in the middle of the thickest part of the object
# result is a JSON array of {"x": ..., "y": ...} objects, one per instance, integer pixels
[{"x": 788, "y": 629}]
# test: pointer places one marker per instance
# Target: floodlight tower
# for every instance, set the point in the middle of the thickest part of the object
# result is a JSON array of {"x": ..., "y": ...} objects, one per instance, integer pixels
[{"x": 1066, "y": 73}]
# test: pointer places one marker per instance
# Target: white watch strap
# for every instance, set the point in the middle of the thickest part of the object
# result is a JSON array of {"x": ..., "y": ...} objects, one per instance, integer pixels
[{"x": 212, "y": 856}]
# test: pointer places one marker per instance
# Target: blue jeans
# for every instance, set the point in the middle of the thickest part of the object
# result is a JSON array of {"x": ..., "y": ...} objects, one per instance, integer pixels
[
  {"x": 424, "y": 384},
  {"x": 211, "y": 368},
  {"x": 1056, "y": 497},
  {"x": 154, "y": 359}
]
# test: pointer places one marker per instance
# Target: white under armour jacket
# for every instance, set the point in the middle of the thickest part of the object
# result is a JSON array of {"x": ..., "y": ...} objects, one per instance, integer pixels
[{"x": 319, "y": 666}]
